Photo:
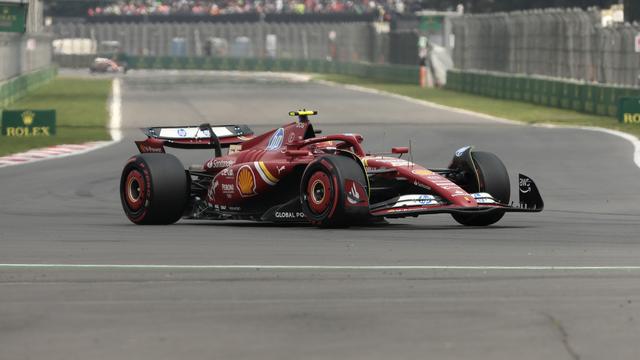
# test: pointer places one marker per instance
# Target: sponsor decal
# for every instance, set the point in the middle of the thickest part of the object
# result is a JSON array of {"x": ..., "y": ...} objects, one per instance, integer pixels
[
  {"x": 292, "y": 137},
  {"x": 426, "y": 200},
  {"x": 228, "y": 188},
  {"x": 182, "y": 132},
  {"x": 264, "y": 173},
  {"x": 415, "y": 200},
  {"x": 27, "y": 117},
  {"x": 27, "y": 123},
  {"x": 246, "y": 181},
  {"x": 290, "y": 215},
  {"x": 228, "y": 172},
  {"x": 355, "y": 193},
  {"x": 149, "y": 149},
  {"x": 387, "y": 161},
  {"x": 525, "y": 185},
  {"x": 276, "y": 140},
  {"x": 280, "y": 168},
  {"x": 485, "y": 201},
  {"x": 217, "y": 163},
  {"x": 423, "y": 172},
  {"x": 353, "y": 196},
  {"x": 481, "y": 195},
  {"x": 461, "y": 151},
  {"x": 629, "y": 118}
]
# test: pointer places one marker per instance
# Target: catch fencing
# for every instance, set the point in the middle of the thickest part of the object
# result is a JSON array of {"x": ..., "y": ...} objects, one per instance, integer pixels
[
  {"x": 335, "y": 41},
  {"x": 570, "y": 44},
  {"x": 21, "y": 54}
]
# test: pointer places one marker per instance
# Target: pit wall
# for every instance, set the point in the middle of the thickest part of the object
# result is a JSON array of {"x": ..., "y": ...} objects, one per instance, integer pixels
[
  {"x": 15, "y": 88},
  {"x": 590, "y": 98}
]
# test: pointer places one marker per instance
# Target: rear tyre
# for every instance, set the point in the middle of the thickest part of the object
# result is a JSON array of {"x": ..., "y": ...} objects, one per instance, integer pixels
[
  {"x": 334, "y": 192},
  {"x": 154, "y": 189},
  {"x": 493, "y": 179}
]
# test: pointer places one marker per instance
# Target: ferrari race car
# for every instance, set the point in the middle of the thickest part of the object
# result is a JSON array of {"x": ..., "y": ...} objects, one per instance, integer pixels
[
  {"x": 292, "y": 175},
  {"x": 104, "y": 65}
]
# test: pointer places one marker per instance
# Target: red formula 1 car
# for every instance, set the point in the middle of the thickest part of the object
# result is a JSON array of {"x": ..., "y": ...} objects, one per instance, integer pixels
[
  {"x": 291, "y": 175},
  {"x": 104, "y": 65}
]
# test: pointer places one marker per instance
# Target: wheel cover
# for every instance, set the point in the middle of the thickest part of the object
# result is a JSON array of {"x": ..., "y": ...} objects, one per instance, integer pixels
[
  {"x": 319, "y": 192},
  {"x": 135, "y": 191}
]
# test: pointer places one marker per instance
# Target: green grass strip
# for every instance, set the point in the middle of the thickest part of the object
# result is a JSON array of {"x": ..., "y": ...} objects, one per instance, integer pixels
[
  {"x": 81, "y": 112},
  {"x": 513, "y": 110}
]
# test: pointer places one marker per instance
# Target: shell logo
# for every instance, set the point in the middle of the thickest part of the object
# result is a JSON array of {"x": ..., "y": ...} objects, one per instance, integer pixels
[{"x": 246, "y": 181}]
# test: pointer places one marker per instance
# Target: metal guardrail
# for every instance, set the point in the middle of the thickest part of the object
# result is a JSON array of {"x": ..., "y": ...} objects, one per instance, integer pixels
[{"x": 580, "y": 96}]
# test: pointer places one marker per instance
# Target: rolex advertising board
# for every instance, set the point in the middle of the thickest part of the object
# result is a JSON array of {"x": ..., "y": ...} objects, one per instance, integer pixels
[
  {"x": 629, "y": 110},
  {"x": 28, "y": 123},
  {"x": 13, "y": 16}
]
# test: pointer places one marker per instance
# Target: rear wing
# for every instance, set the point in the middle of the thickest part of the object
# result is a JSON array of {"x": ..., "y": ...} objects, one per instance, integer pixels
[{"x": 193, "y": 137}]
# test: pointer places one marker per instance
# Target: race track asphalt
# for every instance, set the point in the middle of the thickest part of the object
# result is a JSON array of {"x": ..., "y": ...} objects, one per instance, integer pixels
[{"x": 67, "y": 211}]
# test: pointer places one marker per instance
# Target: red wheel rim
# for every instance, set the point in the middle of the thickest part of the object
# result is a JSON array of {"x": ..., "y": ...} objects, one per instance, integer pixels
[
  {"x": 319, "y": 192},
  {"x": 134, "y": 190}
]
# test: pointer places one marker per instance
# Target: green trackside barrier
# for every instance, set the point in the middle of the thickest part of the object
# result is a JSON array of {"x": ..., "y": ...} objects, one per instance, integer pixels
[
  {"x": 584, "y": 97},
  {"x": 392, "y": 73},
  {"x": 15, "y": 88},
  {"x": 629, "y": 110}
]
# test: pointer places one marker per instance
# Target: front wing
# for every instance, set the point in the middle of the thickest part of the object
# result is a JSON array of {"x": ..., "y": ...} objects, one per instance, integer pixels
[{"x": 529, "y": 198}]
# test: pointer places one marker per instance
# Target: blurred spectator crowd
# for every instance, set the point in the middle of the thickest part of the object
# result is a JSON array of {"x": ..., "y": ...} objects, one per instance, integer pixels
[{"x": 220, "y": 7}]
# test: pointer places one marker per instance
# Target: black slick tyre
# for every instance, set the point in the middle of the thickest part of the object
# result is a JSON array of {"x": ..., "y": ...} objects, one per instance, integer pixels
[
  {"x": 334, "y": 192},
  {"x": 493, "y": 179},
  {"x": 154, "y": 189}
]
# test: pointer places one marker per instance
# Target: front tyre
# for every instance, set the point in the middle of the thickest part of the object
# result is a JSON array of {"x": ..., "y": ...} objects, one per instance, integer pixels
[
  {"x": 154, "y": 189},
  {"x": 493, "y": 179},
  {"x": 333, "y": 192}
]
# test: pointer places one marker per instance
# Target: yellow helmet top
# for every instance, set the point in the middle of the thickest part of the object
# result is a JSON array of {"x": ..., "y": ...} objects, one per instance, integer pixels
[
  {"x": 303, "y": 112},
  {"x": 303, "y": 115}
]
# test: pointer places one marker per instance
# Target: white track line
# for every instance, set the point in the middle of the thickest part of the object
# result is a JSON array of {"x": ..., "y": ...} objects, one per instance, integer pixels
[
  {"x": 318, "y": 267},
  {"x": 632, "y": 139},
  {"x": 115, "y": 111},
  {"x": 294, "y": 77}
]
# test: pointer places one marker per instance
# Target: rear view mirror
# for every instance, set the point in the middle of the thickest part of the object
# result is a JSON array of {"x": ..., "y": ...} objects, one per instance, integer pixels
[{"x": 399, "y": 150}]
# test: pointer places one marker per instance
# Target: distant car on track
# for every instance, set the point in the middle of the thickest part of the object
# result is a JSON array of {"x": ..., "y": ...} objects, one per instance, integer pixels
[
  {"x": 104, "y": 65},
  {"x": 292, "y": 175}
]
